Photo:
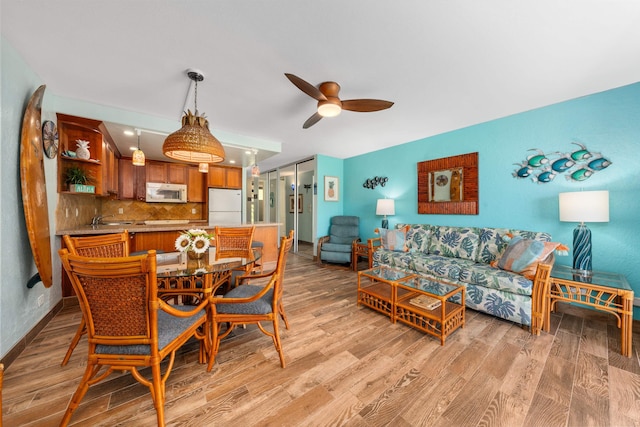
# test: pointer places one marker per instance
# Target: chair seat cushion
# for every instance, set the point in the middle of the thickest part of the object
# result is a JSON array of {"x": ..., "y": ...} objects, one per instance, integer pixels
[
  {"x": 259, "y": 306},
  {"x": 336, "y": 247},
  {"x": 169, "y": 328}
]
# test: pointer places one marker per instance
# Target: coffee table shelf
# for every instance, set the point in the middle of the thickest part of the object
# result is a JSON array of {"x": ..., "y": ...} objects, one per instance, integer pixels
[
  {"x": 390, "y": 291},
  {"x": 440, "y": 321}
]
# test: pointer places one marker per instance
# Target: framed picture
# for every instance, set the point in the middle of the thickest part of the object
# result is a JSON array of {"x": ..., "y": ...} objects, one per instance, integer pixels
[
  {"x": 292, "y": 206},
  {"x": 331, "y": 189}
]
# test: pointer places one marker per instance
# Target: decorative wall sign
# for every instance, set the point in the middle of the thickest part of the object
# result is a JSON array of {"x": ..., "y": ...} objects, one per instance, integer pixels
[
  {"x": 372, "y": 183},
  {"x": 577, "y": 165}
]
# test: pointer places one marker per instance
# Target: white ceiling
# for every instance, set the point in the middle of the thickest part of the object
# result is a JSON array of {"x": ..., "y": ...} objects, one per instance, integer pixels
[{"x": 445, "y": 64}]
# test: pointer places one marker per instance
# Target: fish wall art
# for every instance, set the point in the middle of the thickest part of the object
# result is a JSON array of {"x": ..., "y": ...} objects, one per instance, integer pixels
[{"x": 577, "y": 165}]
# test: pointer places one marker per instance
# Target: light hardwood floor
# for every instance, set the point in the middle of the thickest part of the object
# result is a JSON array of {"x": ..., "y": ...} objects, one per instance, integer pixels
[{"x": 347, "y": 365}]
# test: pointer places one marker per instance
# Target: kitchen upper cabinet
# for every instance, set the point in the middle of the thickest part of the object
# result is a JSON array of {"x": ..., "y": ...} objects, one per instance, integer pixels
[
  {"x": 196, "y": 185},
  {"x": 109, "y": 169},
  {"x": 131, "y": 180},
  {"x": 100, "y": 168},
  {"x": 166, "y": 172},
  {"x": 225, "y": 177}
]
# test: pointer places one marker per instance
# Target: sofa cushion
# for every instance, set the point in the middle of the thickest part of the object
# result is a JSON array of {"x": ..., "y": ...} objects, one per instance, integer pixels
[
  {"x": 417, "y": 237},
  {"x": 454, "y": 242},
  {"x": 394, "y": 240},
  {"x": 440, "y": 266},
  {"x": 402, "y": 260},
  {"x": 493, "y": 241},
  {"x": 489, "y": 277},
  {"x": 523, "y": 256}
]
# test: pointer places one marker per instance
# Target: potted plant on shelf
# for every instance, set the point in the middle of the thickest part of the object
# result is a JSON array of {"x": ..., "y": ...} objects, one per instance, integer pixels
[{"x": 76, "y": 178}]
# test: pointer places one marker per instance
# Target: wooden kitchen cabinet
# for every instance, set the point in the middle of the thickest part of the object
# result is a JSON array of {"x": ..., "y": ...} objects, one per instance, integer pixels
[
  {"x": 166, "y": 172},
  {"x": 131, "y": 180},
  {"x": 225, "y": 177},
  {"x": 158, "y": 240},
  {"x": 101, "y": 168},
  {"x": 196, "y": 185}
]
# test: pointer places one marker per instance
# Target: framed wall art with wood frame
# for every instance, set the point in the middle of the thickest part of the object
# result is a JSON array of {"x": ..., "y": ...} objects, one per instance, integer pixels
[
  {"x": 331, "y": 189},
  {"x": 449, "y": 185}
]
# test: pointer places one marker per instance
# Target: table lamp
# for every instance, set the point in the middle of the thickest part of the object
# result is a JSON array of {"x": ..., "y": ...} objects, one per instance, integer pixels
[
  {"x": 385, "y": 207},
  {"x": 583, "y": 206}
]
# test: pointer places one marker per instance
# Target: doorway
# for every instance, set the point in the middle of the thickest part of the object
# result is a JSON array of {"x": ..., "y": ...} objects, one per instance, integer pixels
[{"x": 296, "y": 204}]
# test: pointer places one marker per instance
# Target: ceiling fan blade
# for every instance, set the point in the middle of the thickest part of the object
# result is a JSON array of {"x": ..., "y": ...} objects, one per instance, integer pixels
[
  {"x": 366, "y": 105},
  {"x": 315, "y": 118},
  {"x": 306, "y": 87}
]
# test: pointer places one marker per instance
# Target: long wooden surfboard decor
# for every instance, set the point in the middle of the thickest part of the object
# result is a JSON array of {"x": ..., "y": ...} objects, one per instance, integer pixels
[{"x": 34, "y": 190}]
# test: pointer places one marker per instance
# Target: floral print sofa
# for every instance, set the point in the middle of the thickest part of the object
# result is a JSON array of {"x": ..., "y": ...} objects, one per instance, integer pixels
[{"x": 463, "y": 255}]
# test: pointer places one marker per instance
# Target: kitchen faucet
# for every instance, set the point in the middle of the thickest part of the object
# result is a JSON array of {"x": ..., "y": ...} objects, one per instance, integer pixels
[{"x": 96, "y": 219}]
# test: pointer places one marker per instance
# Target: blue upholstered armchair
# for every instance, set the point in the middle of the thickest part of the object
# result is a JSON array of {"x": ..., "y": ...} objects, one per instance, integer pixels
[{"x": 337, "y": 246}]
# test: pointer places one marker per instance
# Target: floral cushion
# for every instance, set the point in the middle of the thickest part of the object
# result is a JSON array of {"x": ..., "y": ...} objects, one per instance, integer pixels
[
  {"x": 394, "y": 240},
  {"x": 402, "y": 260},
  {"x": 454, "y": 242},
  {"x": 417, "y": 237},
  {"x": 441, "y": 266},
  {"x": 494, "y": 278}
]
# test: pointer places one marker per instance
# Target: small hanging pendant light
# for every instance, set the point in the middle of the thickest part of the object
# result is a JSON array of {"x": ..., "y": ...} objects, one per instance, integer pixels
[
  {"x": 203, "y": 167},
  {"x": 138, "y": 155},
  {"x": 194, "y": 143}
]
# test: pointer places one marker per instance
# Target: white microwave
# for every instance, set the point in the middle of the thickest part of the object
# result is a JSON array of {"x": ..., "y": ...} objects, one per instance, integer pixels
[{"x": 166, "y": 193}]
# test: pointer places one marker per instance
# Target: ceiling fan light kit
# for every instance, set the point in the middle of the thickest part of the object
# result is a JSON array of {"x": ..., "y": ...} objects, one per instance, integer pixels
[
  {"x": 194, "y": 143},
  {"x": 329, "y": 109},
  {"x": 329, "y": 104}
]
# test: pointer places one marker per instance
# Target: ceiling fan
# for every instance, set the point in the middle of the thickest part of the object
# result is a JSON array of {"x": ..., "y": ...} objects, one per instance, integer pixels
[{"x": 329, "y": 105}]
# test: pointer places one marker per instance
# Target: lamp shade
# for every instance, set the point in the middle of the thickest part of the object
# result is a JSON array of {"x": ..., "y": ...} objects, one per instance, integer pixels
[
  {"x": 584, "y": 206},
  {"x": 385, "y": 207},
  {"x": 193, "y": 142}
]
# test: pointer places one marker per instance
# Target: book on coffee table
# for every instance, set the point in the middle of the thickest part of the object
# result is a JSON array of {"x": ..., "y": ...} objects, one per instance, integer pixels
[{"x": 426, "y": 302}]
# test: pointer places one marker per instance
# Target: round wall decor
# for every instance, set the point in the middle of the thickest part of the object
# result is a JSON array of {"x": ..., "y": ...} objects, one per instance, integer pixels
[{"x": 50, "y": 139}]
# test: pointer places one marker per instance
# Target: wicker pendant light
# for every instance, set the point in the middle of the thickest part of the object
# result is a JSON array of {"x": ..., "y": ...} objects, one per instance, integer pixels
[
  {"x": 194, "y": 143},
  {"x": 138, "y": 155}
]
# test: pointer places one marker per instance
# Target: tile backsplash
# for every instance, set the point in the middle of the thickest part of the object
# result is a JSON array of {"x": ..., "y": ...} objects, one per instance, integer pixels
[
  {"x": 140, "y": 211},
  {"x": 75, "y": 210}
]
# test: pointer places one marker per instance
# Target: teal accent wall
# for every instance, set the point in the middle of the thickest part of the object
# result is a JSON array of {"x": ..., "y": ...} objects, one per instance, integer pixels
[
  {"x": 606, "y": 123},
  {"x": 330, "y": 166},
  {"x": 19, "y": 309}
]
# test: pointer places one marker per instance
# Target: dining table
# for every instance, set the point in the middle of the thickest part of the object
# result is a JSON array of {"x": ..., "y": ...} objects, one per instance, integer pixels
[{"x": 186, "y": 280}]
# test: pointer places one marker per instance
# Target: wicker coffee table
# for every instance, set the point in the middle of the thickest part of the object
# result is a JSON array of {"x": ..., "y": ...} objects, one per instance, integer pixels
[
  {"x": 376, "y": 288},
  {"x": 429, "y": 305}
]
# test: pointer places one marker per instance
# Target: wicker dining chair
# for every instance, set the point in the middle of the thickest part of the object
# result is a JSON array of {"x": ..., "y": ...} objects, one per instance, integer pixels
[
  {"x": 232, "y": 242},
  {"x": 128, "y": 326},
  {"x": 251, "y": 303},
  {"x": 101, "y": 246}
]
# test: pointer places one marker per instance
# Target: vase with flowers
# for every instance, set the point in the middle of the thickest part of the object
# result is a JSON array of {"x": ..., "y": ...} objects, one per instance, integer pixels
[{"x": 194, "y": 242}]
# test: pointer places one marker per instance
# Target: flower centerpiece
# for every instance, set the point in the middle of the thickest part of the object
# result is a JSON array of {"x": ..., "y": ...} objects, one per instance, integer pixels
[{"x": 194, "y": 242}]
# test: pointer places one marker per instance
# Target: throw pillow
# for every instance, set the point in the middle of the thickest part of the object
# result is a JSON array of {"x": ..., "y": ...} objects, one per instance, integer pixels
[
  {"x": 522, "y": 256},
  {"x": 394, "y": 240}
]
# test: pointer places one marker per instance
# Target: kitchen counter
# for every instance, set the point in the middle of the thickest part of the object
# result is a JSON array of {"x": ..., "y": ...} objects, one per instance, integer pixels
[
  {"x": 141, "y": 227},
  {"x": 162, "y": 237}
]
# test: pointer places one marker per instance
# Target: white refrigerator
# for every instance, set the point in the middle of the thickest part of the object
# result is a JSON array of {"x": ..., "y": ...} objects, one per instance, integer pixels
[{"x": 225, "y": 207}]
